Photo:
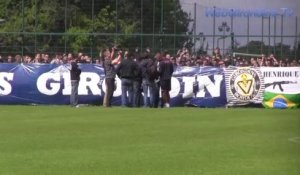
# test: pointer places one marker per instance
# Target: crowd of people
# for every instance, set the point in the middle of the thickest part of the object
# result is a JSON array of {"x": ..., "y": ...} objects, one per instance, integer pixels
[
  {"x": 182, "y": 58},
  {"x": 143, "y": 72}
]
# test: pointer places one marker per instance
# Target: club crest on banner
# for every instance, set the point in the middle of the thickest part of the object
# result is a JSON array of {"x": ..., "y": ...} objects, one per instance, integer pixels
[{"x": 243, "y": 85}]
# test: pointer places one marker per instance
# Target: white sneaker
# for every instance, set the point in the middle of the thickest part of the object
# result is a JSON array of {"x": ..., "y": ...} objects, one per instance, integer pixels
[
  {"x": 167, "y": 105},
  {"x": 77, "y": 106}
]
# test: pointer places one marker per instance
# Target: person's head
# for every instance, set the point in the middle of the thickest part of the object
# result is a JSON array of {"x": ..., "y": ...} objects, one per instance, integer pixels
[
  {"x": 97, "y": 61},
  {"x": 46, "y": 58},
  {"x": 126, "y": 54},
  {"x": 157, "y": 56},
  {"x": 70, "y": 56},
  {"x": 106, "y": 54},
  {"x": 18, "y": 59},
  {"x": 79, "y": 54},
  {"x": 173, "y": 60},
  {"x": 294, "y": 63},
  {"x": 10, "y": 59},
  {"x": 74, "y": 64},
  {"x": 221, "y": 64},
  {"x": 217, "y": 51},
  {"x": 87, "y": 59},
  {"x": 168, "y": 56},
  {"x": 214, "y": 62},
  {"x": 268, "y": 63}
]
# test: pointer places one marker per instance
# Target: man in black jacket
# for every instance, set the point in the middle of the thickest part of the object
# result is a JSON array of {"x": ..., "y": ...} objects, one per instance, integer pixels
[
  {"x": 75, "y": 78},
  {"x": 165, "y": 70},
  {"x": 149, "y": 80},
  {"x": 127, "y": 72}
]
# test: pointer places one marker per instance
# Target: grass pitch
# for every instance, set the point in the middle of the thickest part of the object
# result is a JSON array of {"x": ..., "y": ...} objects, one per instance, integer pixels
[{"x": 60, "y": 140}]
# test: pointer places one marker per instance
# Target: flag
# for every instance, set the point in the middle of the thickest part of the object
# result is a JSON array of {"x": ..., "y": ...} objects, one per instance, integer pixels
[
  {"x": 281, "y": 101},
  {"x": 282, "y": 87}
]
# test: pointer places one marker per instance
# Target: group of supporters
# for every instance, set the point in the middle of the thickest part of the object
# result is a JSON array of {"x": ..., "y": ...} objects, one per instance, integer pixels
[
  {"x": 138, "y": 74},
  {"x": 182, "y": 58},
  {"x": 143, "y": 72}
]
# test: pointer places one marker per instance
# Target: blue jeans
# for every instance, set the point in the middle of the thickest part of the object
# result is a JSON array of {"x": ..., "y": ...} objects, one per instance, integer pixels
[
  {"x": 127, "y": 87},
  {"x": 149, "y": 91}
]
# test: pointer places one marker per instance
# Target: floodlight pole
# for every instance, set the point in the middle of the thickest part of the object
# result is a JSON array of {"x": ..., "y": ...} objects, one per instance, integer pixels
[{"x": 224, "y": 28}]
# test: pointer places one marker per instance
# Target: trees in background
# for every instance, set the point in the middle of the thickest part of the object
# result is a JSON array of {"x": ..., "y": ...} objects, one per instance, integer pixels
[{"x": 81, "y": 25}]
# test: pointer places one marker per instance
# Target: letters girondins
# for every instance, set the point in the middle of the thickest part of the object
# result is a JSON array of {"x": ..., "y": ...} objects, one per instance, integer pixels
[{"x": 90, "y": 83}]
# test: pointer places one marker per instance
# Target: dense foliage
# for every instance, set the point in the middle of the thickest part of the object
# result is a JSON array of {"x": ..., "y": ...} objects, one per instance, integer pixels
[{"x": 84, "y": 23}]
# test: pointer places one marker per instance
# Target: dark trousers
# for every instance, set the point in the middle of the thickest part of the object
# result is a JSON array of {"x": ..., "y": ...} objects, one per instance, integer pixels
[
  {"x": 74, "y": 92},
  {"x": 156, "y": 94},
  {"x": 110, "y": 86},
  {"x": 136, "y": 93}
]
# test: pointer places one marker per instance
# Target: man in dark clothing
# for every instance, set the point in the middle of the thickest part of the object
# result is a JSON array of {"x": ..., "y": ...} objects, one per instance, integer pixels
[
  {"x": 165, "y": 70},
  {"x": 137, "y": 82},
  {"x": 127, "y": 70},
  {"x": 75, "y": 78},
  {"x": 149, "y": 76},
  {"x": 110, "y": 74}
]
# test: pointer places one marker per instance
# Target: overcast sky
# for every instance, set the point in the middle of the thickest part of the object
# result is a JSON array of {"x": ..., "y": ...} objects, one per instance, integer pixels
[{"x": 205, "y": 24}]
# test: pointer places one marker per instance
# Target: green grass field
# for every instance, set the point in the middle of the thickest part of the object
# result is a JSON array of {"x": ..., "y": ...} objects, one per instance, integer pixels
[{"x": 60, "y": 140}]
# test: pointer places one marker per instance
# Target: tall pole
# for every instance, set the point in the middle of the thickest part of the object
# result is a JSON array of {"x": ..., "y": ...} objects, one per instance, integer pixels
[
  {"x": 22, "y": 29},
  {"x": 262, "y": 35},
  {"x": 231, "y": 21},
  {"x": 269, "y": 45},
  {"x": 195, "y": 19},
  {"x": 93, "y": 30},
  {"x": 224, "y": 42},
  {"x": 116, "y": 22},
  {"x": 66, "y": 6},
  {"x": 174, "y": 29},
  {"x": 296, "y": 38},
  {"x": 142, "y": 3},
  {"x": 248, "y": 32},
  {"x": 161, "y": 23},
  {"x": 153, "y": 25},
  {"x": 231, "y": 33},
  {"x": 281, "y": 37},
  {"x": 275, "y": 25},
  {"x": 35, "y": 25},
  {"x": 214, "y": 27}
]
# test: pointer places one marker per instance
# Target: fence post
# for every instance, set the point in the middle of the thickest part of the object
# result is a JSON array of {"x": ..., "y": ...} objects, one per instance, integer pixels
[
  {"x": 174, "y": 46},
  {"x": 66, "y": 6},
  {"x": 35, "y": 25},
  {"x": 116, "y": 22},
  {"x": 262, "y": 35},
  {"x": 281, "y": 37},
  {"x": 269, "y": 38},
  {"x": 296, "y": 38},
  {"x": 22, "y": 30},
  {"x": 142, "y": 11},
  {"x": 214, "y": 28},
  {"x": 93, "y": 31},
  {"x": 153, "y": 25},
  {"x": 248, "y": 32},
  {"x": 161, "y": 23},
  {"x": 195, "y": 28},
  {"x": 274, "y": 48}
]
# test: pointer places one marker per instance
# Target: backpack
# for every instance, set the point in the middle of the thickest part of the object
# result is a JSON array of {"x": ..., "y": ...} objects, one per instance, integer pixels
[{"x": 151, "y": 70}]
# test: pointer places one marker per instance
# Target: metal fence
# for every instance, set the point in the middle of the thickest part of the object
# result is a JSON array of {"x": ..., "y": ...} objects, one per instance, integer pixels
[{"x": 208, "y": 29}]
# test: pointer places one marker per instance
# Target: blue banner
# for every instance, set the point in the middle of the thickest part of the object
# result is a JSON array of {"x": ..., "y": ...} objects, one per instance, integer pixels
[{"x": 50, "y": 84}]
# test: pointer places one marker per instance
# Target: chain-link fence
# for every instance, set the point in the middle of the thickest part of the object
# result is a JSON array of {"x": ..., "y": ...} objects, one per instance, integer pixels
[{"x": 156, "y": 24}]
